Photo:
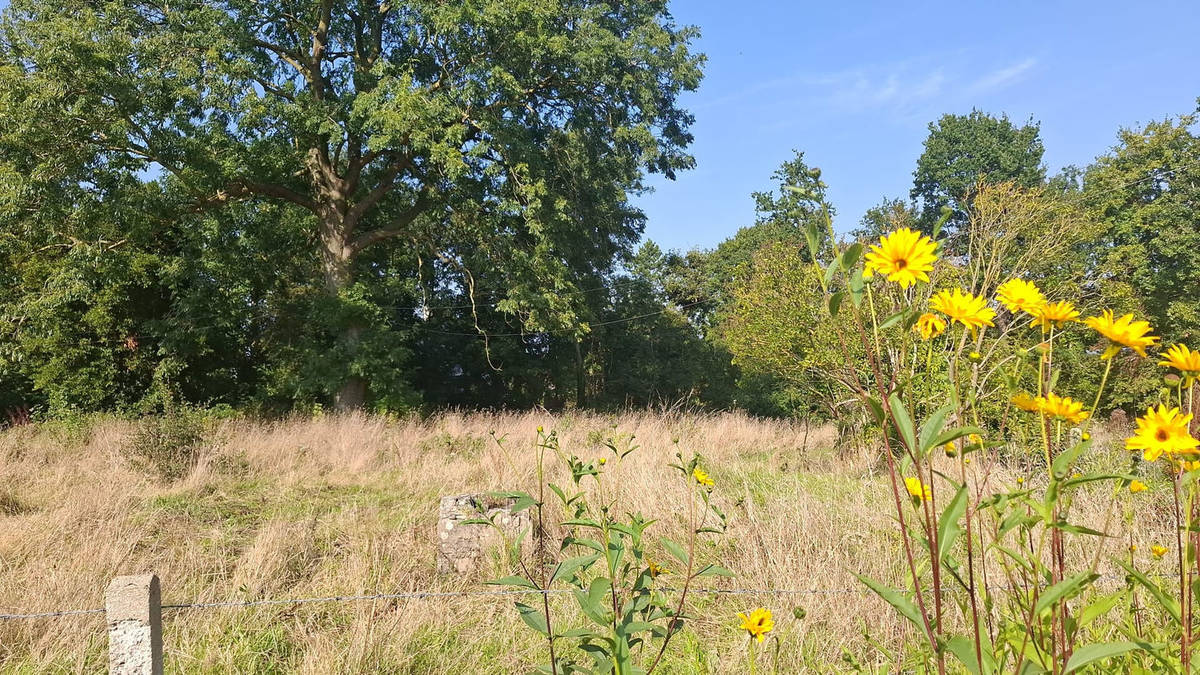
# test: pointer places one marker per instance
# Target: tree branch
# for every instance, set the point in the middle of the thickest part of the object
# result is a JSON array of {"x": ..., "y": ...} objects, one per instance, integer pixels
[{"x": 394, "y": 229}]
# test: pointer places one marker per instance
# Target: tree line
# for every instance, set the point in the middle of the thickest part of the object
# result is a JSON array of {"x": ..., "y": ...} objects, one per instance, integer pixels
[{"x": 419, "y": 204}]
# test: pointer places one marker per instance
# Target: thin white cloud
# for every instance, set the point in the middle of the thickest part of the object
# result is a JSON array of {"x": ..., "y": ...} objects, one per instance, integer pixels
[{"x": 1001, "y": 78}]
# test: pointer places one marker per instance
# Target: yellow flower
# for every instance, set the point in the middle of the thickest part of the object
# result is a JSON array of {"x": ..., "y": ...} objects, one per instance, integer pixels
[
  {"x": 967, "y": 309},
  {"x": 758, "y": 623},
  {"x": 1020, "y": 480},
  {"x": 917, "y": 489},
  {"x": 975, "y": 439},
  {"x": 701, "y": 477},
  {"x": 1136, "y": 486},
  {"x": 949, "y": 449},
  {"x": 903, "y": 256},
  {"x": 1158, "y": 551},
  {"x": 1189, "y": 466},
  {"x": 930, "y": 325},
  {"x": 602, "y": 461},
  {"x": 1062, "y": 407},
  {"x": 1133, "y": 548},
  {"x": 1025, "y": 402},
  {"x": 1055, "y": 314},
  {"x": 1183, "y": 359},
  {"x": 1162, "y": 431},
  {"x": 1123, "y": 331},
  {"x": 1019, "y": 295},
  {"x": 656, "y": 569}
]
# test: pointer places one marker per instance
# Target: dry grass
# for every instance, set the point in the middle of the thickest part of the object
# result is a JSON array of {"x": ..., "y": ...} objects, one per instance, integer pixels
[{"x": 348, "y": 505}]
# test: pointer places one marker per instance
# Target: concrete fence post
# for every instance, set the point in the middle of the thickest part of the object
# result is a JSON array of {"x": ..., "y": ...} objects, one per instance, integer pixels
[{"x": 133, "y": 607}]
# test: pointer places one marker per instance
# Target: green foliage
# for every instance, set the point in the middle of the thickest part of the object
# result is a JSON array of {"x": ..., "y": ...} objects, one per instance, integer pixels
[
  {"x": 492, "y": 158},
  {"x": 168, "y": 445},
  {"x": 1148, "y": 256},
  {"x": 962, "y": 150},
  {"x": 625, "y": 620}
]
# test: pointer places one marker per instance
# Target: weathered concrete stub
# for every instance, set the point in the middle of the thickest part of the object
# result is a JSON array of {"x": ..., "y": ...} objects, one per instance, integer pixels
[
  {"x": 461, "y": 547},
  {"x": 133, "y": 608}
]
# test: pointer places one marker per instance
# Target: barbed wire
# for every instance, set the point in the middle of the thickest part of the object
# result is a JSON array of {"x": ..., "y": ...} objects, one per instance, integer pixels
[{"x": 425, "y": 595}]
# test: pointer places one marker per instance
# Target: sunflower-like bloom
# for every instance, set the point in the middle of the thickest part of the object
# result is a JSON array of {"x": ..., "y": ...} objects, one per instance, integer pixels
[
  {"x": 655, "y": 569},
  {"x": 930, "y": 325},
  {"x": 903, "y": 256},
  {"x": 1158, "y": 551},
  {"x": 1182, "y": 359},
  {"x": 1163, "y": 432},
  {"x": 1019, "y": 295},
  {"x": 1136, "y": 486},
  {"x": 701, "y": 477},
  {"x": 1061, "y": 407},
  {"x": 1122, "y": 332},
  {"x": 917, "y": 489},
  {"x": 1055, "y": 314},
  {"x": 969, "y": 310},
  {"x": 758, "y": 623},
  {"x": 1025, "y": 402}
]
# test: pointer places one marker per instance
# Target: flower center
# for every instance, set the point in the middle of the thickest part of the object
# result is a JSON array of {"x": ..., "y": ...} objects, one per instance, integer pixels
[
  {"x": 901, "y": 264},
  {"x": 1161, "y": 435}
]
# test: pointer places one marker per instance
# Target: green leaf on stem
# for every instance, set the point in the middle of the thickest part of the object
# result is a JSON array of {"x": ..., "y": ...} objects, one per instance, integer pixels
[
  {"x": 896, "y": 599},
  {"x": 1064, "y": 590},
  {"x": 675, "y": 550},
  {"x": 948, "y": 527}
]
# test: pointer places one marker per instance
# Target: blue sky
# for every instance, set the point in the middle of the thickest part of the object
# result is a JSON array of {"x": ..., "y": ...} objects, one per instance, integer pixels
[{"x": 855, "y": 84}]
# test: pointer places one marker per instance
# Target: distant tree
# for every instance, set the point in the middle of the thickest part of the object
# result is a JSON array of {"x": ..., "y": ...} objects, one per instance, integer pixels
[
  {"x": 961, "y": 150},
  {"x": 702, "y": 279},
  {"x": 887, "y": 216},
  {"x": 489, "y": 139},
  {"x": 1146, "y": 259}
]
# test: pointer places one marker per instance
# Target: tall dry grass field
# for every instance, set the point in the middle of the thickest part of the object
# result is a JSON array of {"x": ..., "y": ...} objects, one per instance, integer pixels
[{"x": 348, "y": 505}]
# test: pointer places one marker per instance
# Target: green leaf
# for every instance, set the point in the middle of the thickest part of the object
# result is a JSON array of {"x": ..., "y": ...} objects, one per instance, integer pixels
[
  {"x": 675, "y": 550},
  {"x": 832, "y": 269},
  {"x": 1167, "y": 602},
  {"x": 1065, "y": 459},
  {"x": 520, "y": 582},
  {"x": 955, "y": 434},
  {"x": 812, "y": 237},
  {"x": 1078, "y": 529},
  {"x": 533, "y": 618},
  {"x": 850, "y": 257},
  {"x": 963, "y": 648},
  {"x": 715, "y": 570},
  {"x": 835, "y": 302},
  {"x": 1092, "y": 653},
  {"x": 896, "y": 599},
  {"x": 948, "y": 527},
  {"x": 933, "y": 426},
  {"x": 567, "y": 568},
  {"x": 1064, "y": 590},
  {"x": 903, "y": 421},
  {"x": 894, "y": 319}
]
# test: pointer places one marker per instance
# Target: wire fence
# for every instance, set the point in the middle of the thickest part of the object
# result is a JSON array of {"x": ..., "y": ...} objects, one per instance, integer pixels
[{"x": 427, "y": 595}]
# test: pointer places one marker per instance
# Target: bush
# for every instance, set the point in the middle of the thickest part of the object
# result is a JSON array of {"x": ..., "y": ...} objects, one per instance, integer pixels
[{"x": 168, "y": 445}]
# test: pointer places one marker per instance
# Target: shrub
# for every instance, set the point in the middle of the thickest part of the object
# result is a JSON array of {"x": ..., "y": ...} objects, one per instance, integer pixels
[{"x": 168, "y": 445}]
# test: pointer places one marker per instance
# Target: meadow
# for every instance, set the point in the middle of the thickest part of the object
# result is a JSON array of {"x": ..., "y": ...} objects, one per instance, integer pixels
[{"x": 347, "y": 504}]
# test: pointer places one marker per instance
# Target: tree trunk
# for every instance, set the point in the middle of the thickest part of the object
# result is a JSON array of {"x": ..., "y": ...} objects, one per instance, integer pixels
[{"x": 339, "y": 275}]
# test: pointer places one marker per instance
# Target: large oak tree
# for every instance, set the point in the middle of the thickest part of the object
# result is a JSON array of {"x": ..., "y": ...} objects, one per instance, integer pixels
[{"x": 498, "y": 135}]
